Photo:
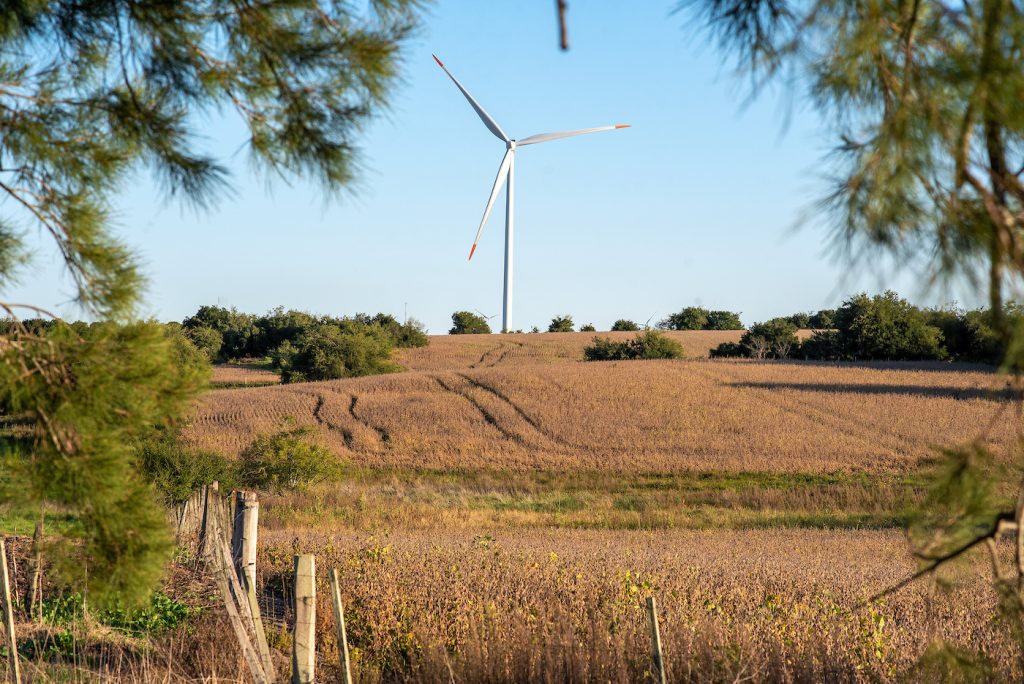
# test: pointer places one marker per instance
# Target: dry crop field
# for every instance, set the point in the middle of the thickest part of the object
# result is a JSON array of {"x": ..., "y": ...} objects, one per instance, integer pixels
[
  {"x": 242, "y": 375},
  {"x": 506, "y": 508},
  {"x": 459, "y": 352}
]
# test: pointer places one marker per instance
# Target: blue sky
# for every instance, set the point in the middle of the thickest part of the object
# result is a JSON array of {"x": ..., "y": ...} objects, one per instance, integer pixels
[{"x": 695, "y": 204}]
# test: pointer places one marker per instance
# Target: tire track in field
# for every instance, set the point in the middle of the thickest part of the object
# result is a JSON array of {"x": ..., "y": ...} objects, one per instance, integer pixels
[
  {"x": 868, "y": 434},
  {"x": 487, "y": 415},
  {"x": 346, "y": 435},
  {"x": 530, "y": 420},
  {"x": 384, "y": 435},
  {"x": 484, "y": 356}
]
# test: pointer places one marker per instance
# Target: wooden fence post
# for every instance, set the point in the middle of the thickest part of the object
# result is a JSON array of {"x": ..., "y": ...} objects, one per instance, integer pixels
[
  {"x": 339, "y": 629},
  {"x": 657, "y": 657},
  {"x": 304, "y": 639},
  {"x": 34, "y": 583},
  {"x": 8, "y": 607},
  {"x": 211, "y": 493},
  {"x": 243, "y": 535}
]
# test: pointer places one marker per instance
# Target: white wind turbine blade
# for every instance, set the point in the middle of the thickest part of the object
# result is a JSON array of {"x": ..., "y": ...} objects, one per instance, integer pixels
[
  {"x": 498, "y": 182},
  {"x": 545, "y": 137},
  {"x": 489, "y": 121}
]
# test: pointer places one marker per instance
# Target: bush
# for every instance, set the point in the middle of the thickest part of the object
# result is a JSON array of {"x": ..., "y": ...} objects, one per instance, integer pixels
[
  {"x": 326, "y": 352},
  {"x": 561, "y": 324},
  {"x": 823, "y": 345},
  {"x": 775, "y": 339},
  {"x": 588, "y": 327},
  {"x": 648, "y": 345},
  {"x": 825, "y": 319},
  {"x": 606, "y": 349},
  {"x": 207, "y": 340},
  {"x": 887, "y": 328},
  {"x": 286, "y": 460},
  {"x": 800, "y": 320},
  {"x": 624, "y": 324},
  {"x": 728, "y": 349},
  {"x": 723, "y": 320},
  {"x": 690, "y": 318},
  {"x": 176, "y": 471},
  {"x": 409, "y": 334},
  {"x": 468, "y": 323}
]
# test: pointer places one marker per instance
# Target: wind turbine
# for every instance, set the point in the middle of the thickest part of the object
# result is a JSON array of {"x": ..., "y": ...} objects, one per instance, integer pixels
[{"x": 507, "y": 170}]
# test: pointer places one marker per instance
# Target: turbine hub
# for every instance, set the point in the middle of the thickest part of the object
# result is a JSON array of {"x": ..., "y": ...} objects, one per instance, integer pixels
[{"x": 511, "y": 144}]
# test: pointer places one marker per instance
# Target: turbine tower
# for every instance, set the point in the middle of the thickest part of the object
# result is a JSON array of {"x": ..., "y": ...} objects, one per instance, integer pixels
[{"x": 506, "y": 170}]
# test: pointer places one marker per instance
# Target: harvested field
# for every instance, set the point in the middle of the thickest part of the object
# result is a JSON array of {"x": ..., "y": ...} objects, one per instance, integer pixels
[
  {"x": 461, "y": 352},
  {"x": 243, "y": 375},
  {"x": 637, "y": 417}
]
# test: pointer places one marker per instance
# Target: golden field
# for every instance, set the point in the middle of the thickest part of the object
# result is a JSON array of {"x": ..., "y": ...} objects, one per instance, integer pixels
[
  {"x": 636, "y": 417},
  {"x": 506, "y": 508}
]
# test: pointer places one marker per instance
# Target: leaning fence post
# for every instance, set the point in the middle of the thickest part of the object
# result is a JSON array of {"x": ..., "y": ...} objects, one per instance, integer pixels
[
  {"x": 657, "y": 657},
  {"x": 8, "y": 607},
  {"x": 304, "y": 640},
  {"x": 243, "y": 535},
  {"x": 34, "y": 585},
  {"x": 339, "y": 628}
]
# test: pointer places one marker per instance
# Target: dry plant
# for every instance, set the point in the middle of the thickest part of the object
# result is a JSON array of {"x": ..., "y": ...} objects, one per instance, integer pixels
[{"x": 636, "y": 416}]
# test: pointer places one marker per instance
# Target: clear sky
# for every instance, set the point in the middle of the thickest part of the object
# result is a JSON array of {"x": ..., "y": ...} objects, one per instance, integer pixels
[{"x": 696, "y": 204}]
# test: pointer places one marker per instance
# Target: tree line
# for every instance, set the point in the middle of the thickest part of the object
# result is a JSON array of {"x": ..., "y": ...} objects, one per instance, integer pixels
[{"x": 883, "y": 327}]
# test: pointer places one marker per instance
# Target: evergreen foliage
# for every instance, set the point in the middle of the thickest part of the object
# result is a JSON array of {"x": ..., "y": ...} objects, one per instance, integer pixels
[
  {"x": 624, "y": 324},
  {"x": 469, "y": 323},
  {"x": 561, "y": 324},
  {"x": 93, "y": 91}
]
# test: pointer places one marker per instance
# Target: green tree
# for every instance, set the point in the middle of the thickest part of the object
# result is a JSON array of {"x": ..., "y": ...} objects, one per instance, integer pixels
[
  {"x": 690, "y": 318},
  {"x": 723, "y": 320},
  {"x": 561, "y": 324},
  {"x": 587, "y": 327},
  {"x": 327, "y": 352},
  {"x": 207, "y": 340},
  {"x": 822, "y": 320},
  {"x": 775, "y": 339},
  {"x": 887, "y": 328},
  {"x": 92, "y": 92},
  {"x": 624, "y": 324},
  {"x": 468, "y": 323}
]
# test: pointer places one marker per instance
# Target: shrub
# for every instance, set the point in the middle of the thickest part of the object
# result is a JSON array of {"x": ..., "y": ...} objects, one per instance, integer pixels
[
  {"x": 176, "y": 471},
  {"x": 606, "y": 349},
  {"x": 325, "y": 352},
  {"x": 286, "y": 460},
  {"x": 800, "y": 320},
  {"x": 823, "y": 345},
  {"x": 561, "y": 324},
  {"x": 887, "y": 328},
  {"x": 728, "y": 349},
  {"x": 690, "y": 318},
  {"x": 825, "y": 319},
  {"x": 468, "y": 323},
  {"x": 409, "y": 334},
  {"x": 655, "y": 345},
  {"x": 588, "y": 327},
  {"x": 647, "y": 345},
  {"x": 624, "y": 324},
  {"x": 207, "y": 340},
  {"x": 774, "y": 338},
  {"x": 723, "y": 320}
]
